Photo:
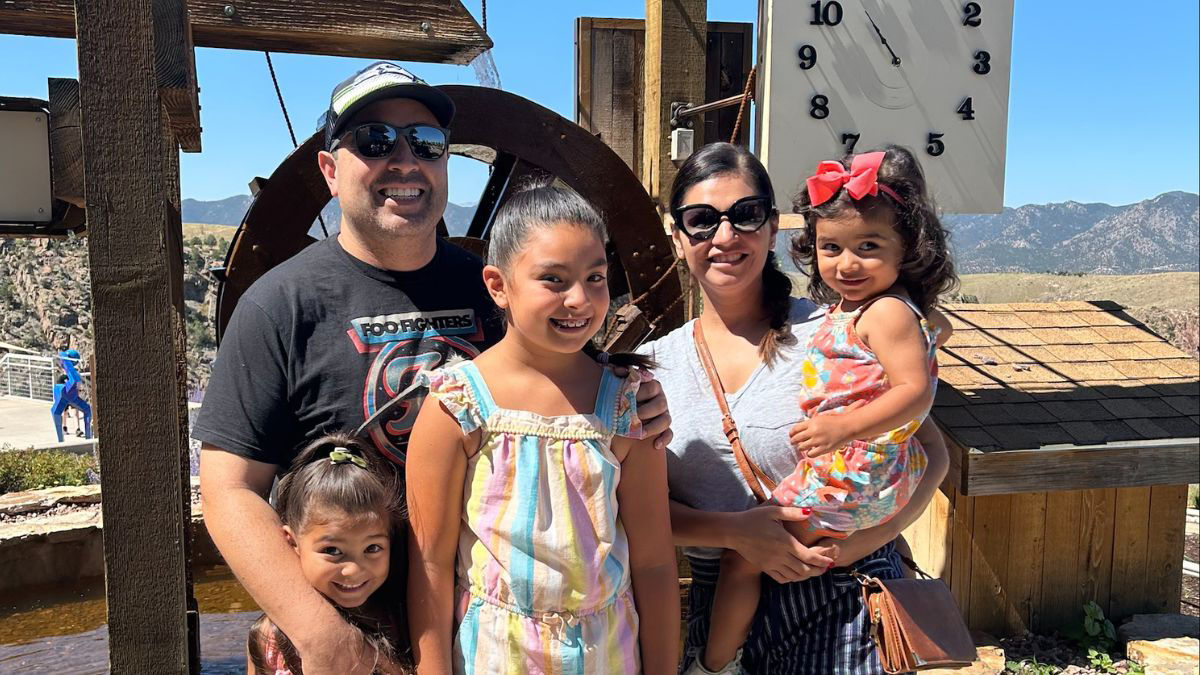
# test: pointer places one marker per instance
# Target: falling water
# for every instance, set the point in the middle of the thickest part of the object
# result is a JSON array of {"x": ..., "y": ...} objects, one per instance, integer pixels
[{"x": 485, "y": 70}]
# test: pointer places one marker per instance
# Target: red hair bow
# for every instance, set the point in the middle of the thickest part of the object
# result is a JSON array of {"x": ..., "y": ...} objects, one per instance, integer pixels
[{"x": 861, "y": 180}]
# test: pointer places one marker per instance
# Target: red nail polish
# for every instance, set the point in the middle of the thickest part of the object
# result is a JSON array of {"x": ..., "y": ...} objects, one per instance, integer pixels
[
  {"x": 830, "y": 566},
  {"x": 806, "y": 511}
]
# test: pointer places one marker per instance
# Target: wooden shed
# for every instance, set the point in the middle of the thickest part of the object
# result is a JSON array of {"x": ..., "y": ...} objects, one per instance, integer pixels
[{"x": 1073, "y": 433}]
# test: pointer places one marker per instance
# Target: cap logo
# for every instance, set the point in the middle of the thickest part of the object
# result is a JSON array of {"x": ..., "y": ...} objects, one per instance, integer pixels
[{"x": 370, "y": 80}]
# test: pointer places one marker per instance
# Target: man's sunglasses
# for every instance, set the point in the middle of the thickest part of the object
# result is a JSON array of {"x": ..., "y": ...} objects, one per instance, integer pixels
[
  {"x": 701, "y": 221},
  {"x": 377, "y": 140}
]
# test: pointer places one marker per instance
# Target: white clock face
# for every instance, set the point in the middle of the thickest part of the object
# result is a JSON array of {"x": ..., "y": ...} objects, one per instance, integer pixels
[{"x": 839, "y": 76}]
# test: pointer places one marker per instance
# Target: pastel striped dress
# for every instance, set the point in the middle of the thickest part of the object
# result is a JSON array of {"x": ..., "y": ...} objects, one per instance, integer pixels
[{"x": 543, "y": 560}]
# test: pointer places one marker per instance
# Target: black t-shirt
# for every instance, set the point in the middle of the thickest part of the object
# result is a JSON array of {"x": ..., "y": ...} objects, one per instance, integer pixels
[{"x": 323, "y": 340}]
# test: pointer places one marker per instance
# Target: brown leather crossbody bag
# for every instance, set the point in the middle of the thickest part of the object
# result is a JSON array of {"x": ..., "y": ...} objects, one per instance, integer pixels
[{"x": 915, "y": 623}]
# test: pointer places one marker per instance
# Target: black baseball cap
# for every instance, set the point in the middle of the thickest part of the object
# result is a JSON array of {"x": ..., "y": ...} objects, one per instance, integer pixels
[{"x": 378, "y": 81}]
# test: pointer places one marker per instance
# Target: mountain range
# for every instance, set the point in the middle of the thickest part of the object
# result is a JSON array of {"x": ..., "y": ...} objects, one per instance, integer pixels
[
  {"x": 1155, "y": 235},
  {"x": 229, "y": 211}
]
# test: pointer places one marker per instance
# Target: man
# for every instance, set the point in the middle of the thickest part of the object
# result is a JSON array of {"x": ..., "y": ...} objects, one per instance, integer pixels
[{"x": 323, "y": 341}]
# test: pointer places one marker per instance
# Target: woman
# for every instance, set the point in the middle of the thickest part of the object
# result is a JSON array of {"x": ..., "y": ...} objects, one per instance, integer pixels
[{"x": 810, "y": 617}]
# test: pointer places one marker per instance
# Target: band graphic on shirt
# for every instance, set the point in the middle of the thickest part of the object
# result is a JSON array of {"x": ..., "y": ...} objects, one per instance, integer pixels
[
  {"x": 402, "y": 344},
  {"x": 378, "y": 330}
]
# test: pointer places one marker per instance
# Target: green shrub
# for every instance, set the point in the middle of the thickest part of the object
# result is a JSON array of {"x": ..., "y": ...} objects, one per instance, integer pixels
[{"x": 35, "y": 469}]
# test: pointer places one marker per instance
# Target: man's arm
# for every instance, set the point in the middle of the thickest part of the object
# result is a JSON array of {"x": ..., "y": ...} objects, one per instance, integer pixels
[{"x": 248, "y": 534}]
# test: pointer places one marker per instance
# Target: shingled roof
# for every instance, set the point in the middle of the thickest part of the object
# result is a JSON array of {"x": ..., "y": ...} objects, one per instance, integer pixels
[{"x": 1028, "y": 376}]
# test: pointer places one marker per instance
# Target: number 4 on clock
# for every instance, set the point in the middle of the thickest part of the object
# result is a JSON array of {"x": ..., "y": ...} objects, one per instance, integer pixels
[{"x": 965, "y": 109}]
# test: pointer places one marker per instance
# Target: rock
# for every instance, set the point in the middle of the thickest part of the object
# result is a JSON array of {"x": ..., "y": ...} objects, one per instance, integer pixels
[
  {"x": 989, "y": 658},
  {"x": 32, "y": 501},
  {"x": 1168, "y": 655},
  {"x": 1158, "y": 626}
]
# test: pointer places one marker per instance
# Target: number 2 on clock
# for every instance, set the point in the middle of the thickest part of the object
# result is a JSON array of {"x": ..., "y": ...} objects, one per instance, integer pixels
[{"x": 971, "y": 12}]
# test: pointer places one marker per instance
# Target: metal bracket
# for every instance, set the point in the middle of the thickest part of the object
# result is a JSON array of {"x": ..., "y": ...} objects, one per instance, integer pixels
[{"x": 679, "y": 109}]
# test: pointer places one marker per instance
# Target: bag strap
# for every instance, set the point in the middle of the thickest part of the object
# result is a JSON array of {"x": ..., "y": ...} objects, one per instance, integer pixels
[
  {"x": 868, "y": 581},
  {"x": 755, "y": 477}
]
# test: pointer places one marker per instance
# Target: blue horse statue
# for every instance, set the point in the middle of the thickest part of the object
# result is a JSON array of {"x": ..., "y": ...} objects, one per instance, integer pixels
[{"x": 66, "y": 395}]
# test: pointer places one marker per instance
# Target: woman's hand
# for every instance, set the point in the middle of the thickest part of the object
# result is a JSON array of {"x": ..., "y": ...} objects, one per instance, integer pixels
[{"x": 759, "y": 536}]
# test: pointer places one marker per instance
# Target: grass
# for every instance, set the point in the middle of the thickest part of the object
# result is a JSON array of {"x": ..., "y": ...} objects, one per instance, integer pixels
[
  {"x": 35, "y": 469},
  {"x": 203, "y": 229},
  {"x": 1193, "y": 498},
  {"x": 1169, "y": 290}
]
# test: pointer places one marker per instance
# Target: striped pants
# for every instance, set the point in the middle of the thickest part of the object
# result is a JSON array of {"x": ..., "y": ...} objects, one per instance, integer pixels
[{"x": 810, "y": 627}]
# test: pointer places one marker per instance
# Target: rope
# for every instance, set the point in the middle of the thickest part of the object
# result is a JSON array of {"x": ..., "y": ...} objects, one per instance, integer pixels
[
  {"x": 288, "y": 121},
  {"x": 485, "y": 17},
  {"x": 656, "y": 284},
  {"x": 747, "y": 95},
  {"x": 646, "y": 294}
]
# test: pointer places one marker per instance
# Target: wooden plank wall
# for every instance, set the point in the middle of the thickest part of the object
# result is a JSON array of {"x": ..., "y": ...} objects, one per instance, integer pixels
[
  {"x": 1030, "y": 561},
  {"x": 609, "y": 61}
]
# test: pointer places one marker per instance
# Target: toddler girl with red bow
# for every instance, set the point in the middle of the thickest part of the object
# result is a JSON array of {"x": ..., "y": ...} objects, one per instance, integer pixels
[{"x": 876, "y": 254}]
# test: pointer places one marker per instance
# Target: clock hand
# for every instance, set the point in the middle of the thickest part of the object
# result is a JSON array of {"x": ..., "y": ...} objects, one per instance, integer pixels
[{"x": 895, "y": 59}]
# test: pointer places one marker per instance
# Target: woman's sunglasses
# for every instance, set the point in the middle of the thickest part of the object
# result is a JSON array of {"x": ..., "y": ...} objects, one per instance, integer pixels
[
  {"x": 377, "y": 140},
  {"x": 701, "y": 221}
]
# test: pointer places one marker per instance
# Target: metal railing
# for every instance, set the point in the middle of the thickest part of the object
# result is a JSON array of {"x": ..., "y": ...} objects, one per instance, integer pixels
[{"x": 30, "y": 376}]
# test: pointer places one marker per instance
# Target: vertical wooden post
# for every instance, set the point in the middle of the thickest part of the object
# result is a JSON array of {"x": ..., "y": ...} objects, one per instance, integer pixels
[
  {"x": 131, "y": 179},
  {"x": 676, "y": 35}
]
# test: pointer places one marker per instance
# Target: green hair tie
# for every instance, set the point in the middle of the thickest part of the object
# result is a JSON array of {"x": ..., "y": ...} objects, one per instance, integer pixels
[{"x": 341, "y": 455}]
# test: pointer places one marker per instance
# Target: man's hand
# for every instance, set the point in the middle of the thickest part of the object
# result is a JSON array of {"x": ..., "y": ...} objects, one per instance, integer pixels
[
  {"x": 652, "y": 410},
  {"x": 340, "y": 648}
]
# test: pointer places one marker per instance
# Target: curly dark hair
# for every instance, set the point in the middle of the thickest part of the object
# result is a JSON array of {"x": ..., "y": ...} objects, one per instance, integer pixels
[{"x": 927, "y": 270}]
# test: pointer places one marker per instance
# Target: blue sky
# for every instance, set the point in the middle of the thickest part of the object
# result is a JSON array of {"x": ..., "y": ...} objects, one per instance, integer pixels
[{"x": 1103, "y": 107}]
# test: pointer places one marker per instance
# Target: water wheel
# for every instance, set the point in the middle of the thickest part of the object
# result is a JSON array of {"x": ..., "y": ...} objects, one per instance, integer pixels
[{"x": 521, "y": 140}]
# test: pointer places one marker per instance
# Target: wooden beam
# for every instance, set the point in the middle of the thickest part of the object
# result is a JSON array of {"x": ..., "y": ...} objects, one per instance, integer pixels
[
  {"x": 66, "y": 144},
  {"x": 175, "y": 65},
  {"x": 1130, "y": 464},
  {"x": 131, "y": 174},
  {"x": 436, "y": 31},
  {"x": 676, "y": 34}
]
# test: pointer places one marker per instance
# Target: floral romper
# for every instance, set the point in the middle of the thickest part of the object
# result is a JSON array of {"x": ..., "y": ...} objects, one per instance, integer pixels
[
  {"x": 543, "y": 560},
  {"x": 868, "y": 481}
]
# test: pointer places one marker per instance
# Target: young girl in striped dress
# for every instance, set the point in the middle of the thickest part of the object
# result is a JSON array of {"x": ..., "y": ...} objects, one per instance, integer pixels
[{"x": 541, "y": 539}]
